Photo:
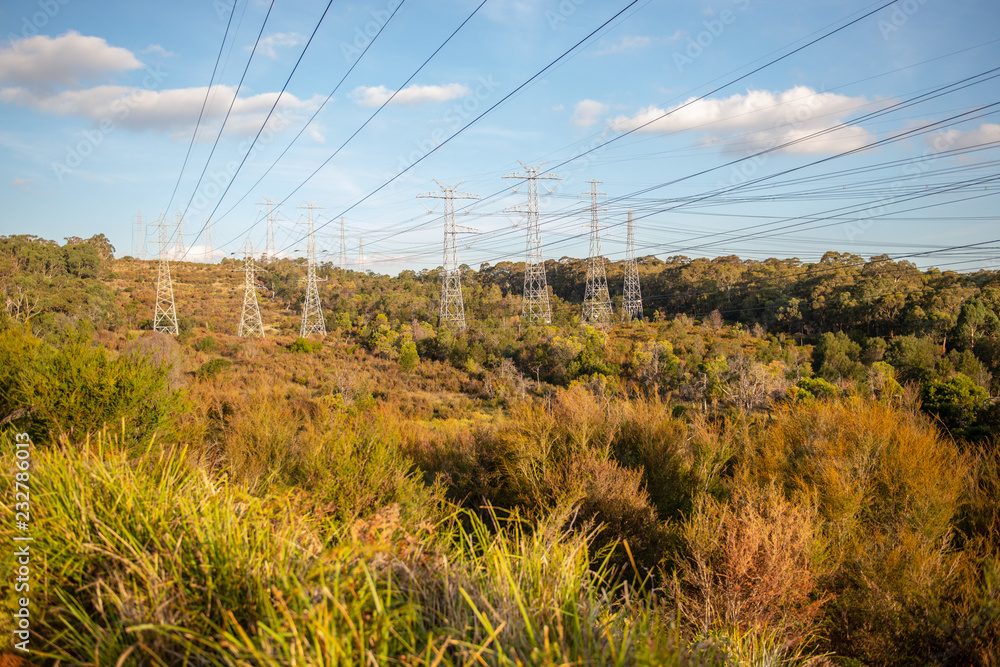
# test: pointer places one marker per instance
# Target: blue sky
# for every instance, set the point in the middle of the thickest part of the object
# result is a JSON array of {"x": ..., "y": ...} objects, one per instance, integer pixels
[{"x": 99, "y": 102}]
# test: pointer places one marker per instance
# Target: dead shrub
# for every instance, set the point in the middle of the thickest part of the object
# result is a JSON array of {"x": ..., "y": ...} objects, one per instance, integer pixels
[{"x": 749, "y": 564}]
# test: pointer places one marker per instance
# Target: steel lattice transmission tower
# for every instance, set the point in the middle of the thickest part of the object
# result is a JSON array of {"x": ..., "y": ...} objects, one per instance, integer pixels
[
  {"x": 535, "y": 304},
  {"x": 596, "y": 300},
  {"x": 138, "y": 236},
  {"x": 179, "y": 250},
  {"x": 269, "y": 238},
  {"x": 312, "y": 311},
  {"x": 452, "y": 306},
  {"x": 164, "y": 314},
  {"x": 342, "y": 260},
  {"x": 250, "y": 323},
  {"x": 361, "y": 254},
  {"x": 632, "y": 301}
]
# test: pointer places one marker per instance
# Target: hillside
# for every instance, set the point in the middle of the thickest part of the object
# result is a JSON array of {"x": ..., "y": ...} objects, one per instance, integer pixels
[{"x": 784, "y": 463}]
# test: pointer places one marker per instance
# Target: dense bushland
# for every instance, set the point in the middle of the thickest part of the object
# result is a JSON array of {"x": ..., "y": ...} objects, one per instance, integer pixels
[{"x": 727, "y": 489}]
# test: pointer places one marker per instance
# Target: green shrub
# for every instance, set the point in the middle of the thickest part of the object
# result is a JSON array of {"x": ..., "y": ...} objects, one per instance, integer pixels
[
  {"x": 837, "y": 356},
  {"x": 651, "y": 440},
  {"x": 818, "y": 388},
  {"x": 77, "y": 389},
  {"x": 957, "y": 403},
  {"x": 306, "y": 346},
  {"x": 206, "y": 344},
  {"x": 408, "y": 357},
  {"x": 213, "y": 367}
]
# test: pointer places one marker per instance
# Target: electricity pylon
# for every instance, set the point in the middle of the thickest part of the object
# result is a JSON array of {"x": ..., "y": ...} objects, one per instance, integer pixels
[
  {"x": 361, "y": 254},
  {"x": 164, "y": 314},
  {"x": 596, "y": 301},
  {"x": 535, "y": 304},
  {"x": 632, "y": 301},
  {"x": 452, "y": 306},
  {"x": 138, "y": 236},
  {"x": 342, "y": 260},
  {"x": 269, "y": 238},
  {"x": 312, "y": 311},
  {"x": 179, "y": 250},
  {"x": 250, "y": 323}
]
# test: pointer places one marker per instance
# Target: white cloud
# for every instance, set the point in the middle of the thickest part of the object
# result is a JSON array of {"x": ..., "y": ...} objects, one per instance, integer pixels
[
  {"x": 762, "y": 119},
  {"x": 373, "y": 96},
  {"x": 198, "y": 253},
  {"x": 172, "y": 110},
  {"x": 316, "y": 132},
  {"x": 158, "y": 50},
  {"x": 269, "y": 44},
  {"x": 587, "y": 112},
  {"x": 954, "y": 139},
  {"x": 63, "y": 60},
  {"x": 626, "y": 43}
]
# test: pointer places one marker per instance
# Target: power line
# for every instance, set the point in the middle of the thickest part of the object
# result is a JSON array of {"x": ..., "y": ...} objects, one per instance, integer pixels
[
  {"x": 269, "y": 113},
  {"x": 316, "y": 113},
  {"x": 480, "y": 116},
  {"x": 379, "y": 109},
  {"x": 714, "y": 194},
  {"x": 269, "y": 234},
  {"x": 204, "y": 102},
  {"x": 232, "y": 103},
  {"x": 631, "y": 131}
]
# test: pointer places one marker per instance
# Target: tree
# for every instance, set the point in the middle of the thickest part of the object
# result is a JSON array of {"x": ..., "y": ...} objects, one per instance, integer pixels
[
  {"x": 976, "y": 321},
  {"x": 837, "y": 356},
  {"x": 408, "y": 357},
  {"x": 956, "y": 402}
]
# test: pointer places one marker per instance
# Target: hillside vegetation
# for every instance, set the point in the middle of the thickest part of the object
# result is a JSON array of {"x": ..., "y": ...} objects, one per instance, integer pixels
[{"x": 783, "y": 464}]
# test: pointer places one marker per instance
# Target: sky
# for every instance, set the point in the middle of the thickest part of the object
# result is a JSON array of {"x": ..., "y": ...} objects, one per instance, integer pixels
[{"x": 727, "y": 127}]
